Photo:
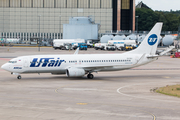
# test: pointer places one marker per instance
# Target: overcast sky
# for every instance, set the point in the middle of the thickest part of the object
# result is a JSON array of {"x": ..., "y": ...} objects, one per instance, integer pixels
[{"x": 164, "y": 5}]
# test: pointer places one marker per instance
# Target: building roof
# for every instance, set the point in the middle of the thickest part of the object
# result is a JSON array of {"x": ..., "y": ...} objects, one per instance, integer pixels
[{"x": 142, "y": 5}]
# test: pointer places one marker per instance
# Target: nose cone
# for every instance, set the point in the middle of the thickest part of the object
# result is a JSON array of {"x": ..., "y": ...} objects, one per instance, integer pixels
[{"x": 5, "y": 67}]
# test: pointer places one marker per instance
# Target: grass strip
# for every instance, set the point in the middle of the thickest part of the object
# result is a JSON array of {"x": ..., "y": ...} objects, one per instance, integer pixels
[{"x": 173, "y": 90}]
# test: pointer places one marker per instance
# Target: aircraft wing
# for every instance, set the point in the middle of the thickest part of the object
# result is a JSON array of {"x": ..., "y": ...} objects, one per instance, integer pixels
[
  {"x": 162, "y": 53},
  {"x": 167, "y": 50},
  {"x": 97, "y": 68},
  {"x": 77, "y": 51}
]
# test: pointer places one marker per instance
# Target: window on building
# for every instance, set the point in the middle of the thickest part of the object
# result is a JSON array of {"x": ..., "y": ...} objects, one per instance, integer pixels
[{"x": 125, "y": 4}]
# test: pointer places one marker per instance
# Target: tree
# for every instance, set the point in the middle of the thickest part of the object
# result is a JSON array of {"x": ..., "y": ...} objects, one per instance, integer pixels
[{"x": 147, "y": 18}]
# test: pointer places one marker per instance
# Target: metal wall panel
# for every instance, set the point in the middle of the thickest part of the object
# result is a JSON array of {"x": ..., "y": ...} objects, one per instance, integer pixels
[
  {"x": 25, "y": 20},
  {"x": 82, "y": 31},
  {"x": 95, "y": 3},
  {"x": 83, "y": 3},
  {"x": 49, "y": 3},
  {"x": 37, "y": 3},
  {"x": 106, "y": 3},
  {"x": 60, "y": 3},
  {"x": 14, "y": 3},
  {"x": 4, "y": 3},
  {"x": 71, "y": 3},
  {"x": 26, "y": 3}
]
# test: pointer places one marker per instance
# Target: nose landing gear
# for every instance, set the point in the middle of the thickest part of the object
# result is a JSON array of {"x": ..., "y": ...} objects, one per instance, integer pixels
[{"x": 19, "y": 77}]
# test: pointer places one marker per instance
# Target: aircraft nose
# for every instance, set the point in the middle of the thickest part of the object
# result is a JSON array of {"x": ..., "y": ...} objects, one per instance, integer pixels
[{"x": 4, "y": 67}]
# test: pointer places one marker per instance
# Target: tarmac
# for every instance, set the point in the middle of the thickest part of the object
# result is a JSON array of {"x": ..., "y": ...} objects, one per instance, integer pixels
[{"x": 120, "y": 95}]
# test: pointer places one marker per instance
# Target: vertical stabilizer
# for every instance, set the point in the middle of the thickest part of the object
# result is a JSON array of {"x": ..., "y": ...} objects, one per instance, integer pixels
[{"x": 150, "y": 42}]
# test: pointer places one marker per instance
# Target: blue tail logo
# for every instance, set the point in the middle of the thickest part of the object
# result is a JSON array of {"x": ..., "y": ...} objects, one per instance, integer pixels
[{"x": 152, "y": 39}]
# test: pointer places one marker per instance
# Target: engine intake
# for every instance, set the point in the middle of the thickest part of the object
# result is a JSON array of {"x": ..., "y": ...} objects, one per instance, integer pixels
[{"x": 75, "y": 72}]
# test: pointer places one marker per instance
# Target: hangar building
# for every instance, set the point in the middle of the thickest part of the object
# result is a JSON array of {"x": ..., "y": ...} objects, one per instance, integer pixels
[{"x": 27, "y": 18}]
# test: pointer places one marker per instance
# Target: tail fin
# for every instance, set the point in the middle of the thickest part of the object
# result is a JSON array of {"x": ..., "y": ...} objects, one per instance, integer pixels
[{"x": 150, "y": 42}]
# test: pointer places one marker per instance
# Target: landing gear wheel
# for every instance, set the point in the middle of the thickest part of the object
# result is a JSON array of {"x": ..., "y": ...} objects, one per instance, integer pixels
[
  {"x": 90, "y": 76},
  {"x": 18, "y": 77}
]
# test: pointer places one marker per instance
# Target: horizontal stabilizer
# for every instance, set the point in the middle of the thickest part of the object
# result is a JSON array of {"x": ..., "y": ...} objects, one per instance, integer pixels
[{"x": 153, "y": 56}]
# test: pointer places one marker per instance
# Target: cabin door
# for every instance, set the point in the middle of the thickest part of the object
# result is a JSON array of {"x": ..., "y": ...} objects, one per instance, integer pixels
[{"x": 25, "y": 63}]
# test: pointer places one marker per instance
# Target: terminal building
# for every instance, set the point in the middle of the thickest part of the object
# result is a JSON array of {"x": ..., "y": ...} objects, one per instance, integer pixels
[{"x": 26, "y": 19}]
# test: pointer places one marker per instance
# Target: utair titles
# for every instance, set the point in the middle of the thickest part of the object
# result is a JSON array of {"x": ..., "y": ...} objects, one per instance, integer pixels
[{"x": 46, "y": 62}]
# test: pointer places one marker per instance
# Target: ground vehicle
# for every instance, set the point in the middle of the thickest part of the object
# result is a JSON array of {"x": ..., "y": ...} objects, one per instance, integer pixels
[
  {"x": 101, "y": 46},
  {"x": 68, "y": 46},
  {"x": 120, "y": 47},
  {"x": 82, "y": 46},
  {"x": 10, "y": 40},
  {"x": 74, "y": 46},
  {"x": 59, "y": 43},
  {"x": 128, "y": 47},
  {"x": 110, "y": 47},
  {"x": 121, "y": 44},
  {"x": 89, "y": 44},
  {"x": 176, "y": 55}
]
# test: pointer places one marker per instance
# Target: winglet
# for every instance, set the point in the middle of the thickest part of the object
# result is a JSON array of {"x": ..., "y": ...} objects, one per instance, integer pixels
[{"x": 77, "y": 51}]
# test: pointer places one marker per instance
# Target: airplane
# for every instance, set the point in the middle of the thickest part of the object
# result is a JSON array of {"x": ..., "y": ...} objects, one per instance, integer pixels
[{"x": 78, "y": 65}]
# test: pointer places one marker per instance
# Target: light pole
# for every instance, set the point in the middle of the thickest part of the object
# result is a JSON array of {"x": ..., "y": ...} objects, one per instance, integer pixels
[
  {"x": 137, "y": 24},
  {"x": 39, "y": 32},
  {"x": 60, "y": 27}
]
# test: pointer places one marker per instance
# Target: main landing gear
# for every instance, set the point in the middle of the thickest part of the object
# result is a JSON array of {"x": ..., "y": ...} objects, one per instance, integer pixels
[
  {"x": 19, "y": 77},
  {"x": 90, "y": 76}
]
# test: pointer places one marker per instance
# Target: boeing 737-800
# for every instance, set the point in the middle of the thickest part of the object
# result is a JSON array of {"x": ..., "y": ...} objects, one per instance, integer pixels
[{"x": 78, "y": 65}]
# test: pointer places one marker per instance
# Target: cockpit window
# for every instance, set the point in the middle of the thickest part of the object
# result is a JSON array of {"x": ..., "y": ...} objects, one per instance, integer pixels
[{"x": 12, "y": 62}]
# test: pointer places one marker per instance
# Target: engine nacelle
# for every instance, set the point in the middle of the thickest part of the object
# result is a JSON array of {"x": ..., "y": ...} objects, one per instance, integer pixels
[{"x": 75, "y": 72}]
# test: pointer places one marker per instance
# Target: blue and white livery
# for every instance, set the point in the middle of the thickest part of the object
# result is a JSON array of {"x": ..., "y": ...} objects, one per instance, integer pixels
[
  {"x": 78, "y": 65},
  {"x": 152, "y": 39}
]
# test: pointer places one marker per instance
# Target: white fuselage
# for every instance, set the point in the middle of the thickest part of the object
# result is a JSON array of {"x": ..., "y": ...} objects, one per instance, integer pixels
[{"x": 58, "y": 64}]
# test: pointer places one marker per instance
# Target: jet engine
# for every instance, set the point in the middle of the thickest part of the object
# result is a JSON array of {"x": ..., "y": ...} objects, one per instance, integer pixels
[{"x": 75, "y": 72}]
